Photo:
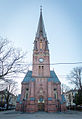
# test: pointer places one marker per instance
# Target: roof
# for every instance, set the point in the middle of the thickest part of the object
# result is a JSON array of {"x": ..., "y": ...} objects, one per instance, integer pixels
[
  {"x": 53, "y": 77},
  {"x": 18, "y": 98},
  {"x": 41, "y": 28},
  {"x": 71, "y": 91},
  {"x": 28, "y": 77}
]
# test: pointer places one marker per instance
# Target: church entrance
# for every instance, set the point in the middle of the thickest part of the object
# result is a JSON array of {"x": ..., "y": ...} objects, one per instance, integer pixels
[
  {"x": 41, "y": 107},
  {"x": 41, "y": 104}
]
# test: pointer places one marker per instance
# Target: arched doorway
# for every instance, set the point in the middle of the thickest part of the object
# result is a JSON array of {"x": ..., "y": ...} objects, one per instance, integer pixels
[{"x": 41, "y": 103}]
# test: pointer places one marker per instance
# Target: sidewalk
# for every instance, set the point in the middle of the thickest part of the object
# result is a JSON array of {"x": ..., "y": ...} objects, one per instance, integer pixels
[{"x": 40, "y": 115}]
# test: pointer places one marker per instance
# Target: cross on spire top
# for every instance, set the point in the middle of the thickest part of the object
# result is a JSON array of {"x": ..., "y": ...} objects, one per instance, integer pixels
[{"x": 41, "y": 9}]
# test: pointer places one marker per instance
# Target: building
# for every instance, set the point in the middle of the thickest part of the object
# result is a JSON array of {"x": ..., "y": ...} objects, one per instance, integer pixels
[
  {"x": 69, "y": 96},
  {"x": 3, "y": 98},
  {"x": 41, "y": 88}
]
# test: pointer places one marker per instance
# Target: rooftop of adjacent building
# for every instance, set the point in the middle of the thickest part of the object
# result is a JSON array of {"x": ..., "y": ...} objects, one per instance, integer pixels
[{"x": 71, "y": 91}]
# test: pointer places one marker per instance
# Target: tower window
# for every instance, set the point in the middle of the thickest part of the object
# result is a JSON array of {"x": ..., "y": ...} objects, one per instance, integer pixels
[
  {"x": 42, "y": 70},
  {"x": 40, "y": 44},
  {"x": 39, "y": 70}
]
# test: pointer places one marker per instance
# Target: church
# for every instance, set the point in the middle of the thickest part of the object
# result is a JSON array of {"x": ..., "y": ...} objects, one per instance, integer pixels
[{"x": 41, "y": 88}]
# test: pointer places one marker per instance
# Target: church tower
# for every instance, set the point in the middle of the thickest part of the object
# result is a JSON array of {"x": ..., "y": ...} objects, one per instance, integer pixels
[
  {"x": 41, "y": 58},
  {"x": 41, "y": 88}
]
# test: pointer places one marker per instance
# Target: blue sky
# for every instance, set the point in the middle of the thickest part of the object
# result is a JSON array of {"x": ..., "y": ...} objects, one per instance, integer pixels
[{"x": 63, "y": 25}]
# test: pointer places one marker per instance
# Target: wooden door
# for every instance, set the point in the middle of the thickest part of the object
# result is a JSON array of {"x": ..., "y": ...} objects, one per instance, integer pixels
[{"x": 41, "y": 107}]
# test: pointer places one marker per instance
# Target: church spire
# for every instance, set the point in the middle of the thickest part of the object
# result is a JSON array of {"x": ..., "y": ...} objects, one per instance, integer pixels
[{"x": 41, "y": 29}]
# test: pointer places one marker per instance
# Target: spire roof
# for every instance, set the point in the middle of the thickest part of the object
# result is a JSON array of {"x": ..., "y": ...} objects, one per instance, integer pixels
[{"x": 41, "y": 28}]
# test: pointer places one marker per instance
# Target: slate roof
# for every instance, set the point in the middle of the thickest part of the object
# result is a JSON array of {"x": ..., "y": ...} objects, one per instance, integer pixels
[
  {"x": 53, "y": 77},
  {"x": 28, "y": 77},
  {"x": 18, "y": 98}
]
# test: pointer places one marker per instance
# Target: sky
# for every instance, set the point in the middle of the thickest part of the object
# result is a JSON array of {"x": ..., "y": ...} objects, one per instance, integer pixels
[{"x": 63, "y": 25}]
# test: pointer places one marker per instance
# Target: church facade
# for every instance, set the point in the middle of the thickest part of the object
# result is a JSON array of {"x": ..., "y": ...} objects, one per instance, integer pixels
[{"x": 41, "y": 88}]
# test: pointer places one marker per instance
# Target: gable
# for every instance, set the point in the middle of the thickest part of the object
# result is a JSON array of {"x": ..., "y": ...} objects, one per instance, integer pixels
[{"x": 53, "y": 77}]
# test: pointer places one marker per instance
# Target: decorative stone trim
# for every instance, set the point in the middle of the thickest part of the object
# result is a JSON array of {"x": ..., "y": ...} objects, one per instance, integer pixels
[
  {"x": 32, "y": 98},
  {"x": 50, "y": 98}
]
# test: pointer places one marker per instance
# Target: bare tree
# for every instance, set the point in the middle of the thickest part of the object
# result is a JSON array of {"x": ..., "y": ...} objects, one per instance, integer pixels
[
  {"x": 11, "y": 88},
  {"x": 75, "y": 77},
  {"x": 64, "y": 88},
  {"x": 11, "y": 61}
]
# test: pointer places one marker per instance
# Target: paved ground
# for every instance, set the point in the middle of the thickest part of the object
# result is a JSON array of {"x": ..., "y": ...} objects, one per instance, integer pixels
[{"x": 40, "y": 115}]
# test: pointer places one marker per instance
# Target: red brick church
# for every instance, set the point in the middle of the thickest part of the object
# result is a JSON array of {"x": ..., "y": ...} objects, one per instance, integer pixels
[{"x": 41, "y": 88}]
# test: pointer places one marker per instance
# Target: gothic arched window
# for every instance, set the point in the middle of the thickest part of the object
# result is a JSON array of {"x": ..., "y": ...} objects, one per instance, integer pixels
[
  {"x": 39, "y": 71},
  {"x": 40, "y": 44},
  {"x": 27, "y": 91},
  {"x": 42, "y": 70},
  {"x": 55, "y": 94}
]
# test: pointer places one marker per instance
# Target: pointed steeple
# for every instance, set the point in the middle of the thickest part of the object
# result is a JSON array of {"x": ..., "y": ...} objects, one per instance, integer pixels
[{"x": 41, "y": 29}]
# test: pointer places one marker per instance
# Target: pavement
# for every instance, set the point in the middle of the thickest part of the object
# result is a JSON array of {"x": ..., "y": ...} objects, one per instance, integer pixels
[{"x": 40, "y": 115}]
